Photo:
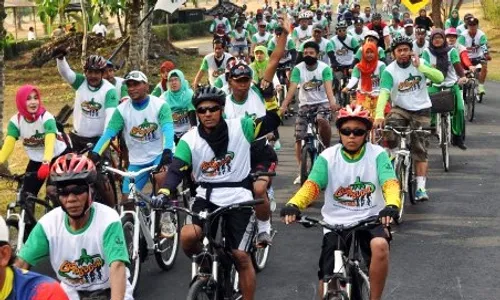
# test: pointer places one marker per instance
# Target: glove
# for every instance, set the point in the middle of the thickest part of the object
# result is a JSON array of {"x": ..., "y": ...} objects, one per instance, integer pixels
[
  {"x": 389, "y": 211},
  {"x": 43, "y": 171},
  {"x": 94, "y": 157},
  {"x": 487, "y": 56},
  {"x": 290, "y": 210},
  {"x": 166, "y": 157},
  {"x": 161, "y": 199},
  {"x": 59, "y": 52}
]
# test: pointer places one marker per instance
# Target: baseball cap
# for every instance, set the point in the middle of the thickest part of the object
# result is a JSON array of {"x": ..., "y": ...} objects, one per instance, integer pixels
[
  {"x": 317, "y": 27},
  {"x": 136, "y": 76},
  {"x": 408, "y": 23},
  {"x": 472, "y": 21},
  {"x": 4, "y": 231},
  {"x": 240, "y": 70}
]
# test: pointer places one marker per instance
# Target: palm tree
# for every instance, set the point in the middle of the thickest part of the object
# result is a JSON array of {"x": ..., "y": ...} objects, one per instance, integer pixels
[{"x": 134, "y": 54}]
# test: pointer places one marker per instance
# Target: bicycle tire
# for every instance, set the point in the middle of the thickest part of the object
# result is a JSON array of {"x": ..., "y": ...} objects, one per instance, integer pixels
[
  {"x": 166, "y": 259},
  {"x": 471, "y": 103},
  {"x": 412, "y": 184},
  {"x": 235, "y": 283},
  {"x": 307, "y": 155},
  {"x": 445, "y": 145},
  {"x": 202, "y": 289},
  {"x": 260, "y": 256},
  {"x": 135, "y": 264},
  {"x": 360, "y": 287},
  {"x": 400, "y": 170},
  {"x": 13, "y": 229}
]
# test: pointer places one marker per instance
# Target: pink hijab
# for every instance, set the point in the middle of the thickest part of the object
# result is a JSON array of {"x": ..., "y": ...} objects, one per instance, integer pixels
[{"x": 22, "y": 98}]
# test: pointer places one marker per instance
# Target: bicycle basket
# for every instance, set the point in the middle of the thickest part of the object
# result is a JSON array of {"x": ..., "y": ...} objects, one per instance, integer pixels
[{"x": 443, "y": 101}]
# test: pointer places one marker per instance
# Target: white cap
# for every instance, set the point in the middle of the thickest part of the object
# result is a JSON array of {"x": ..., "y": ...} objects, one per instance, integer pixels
[
  {"x": 136, "y": 76},
  {"x": 4, "y": 231}
]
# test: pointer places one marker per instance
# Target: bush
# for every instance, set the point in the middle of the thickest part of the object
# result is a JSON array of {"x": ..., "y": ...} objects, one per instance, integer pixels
[
  {"x": 13, "y": 49},
  {"x": 183, "y": 31},
  {"x": 491, "y": 10}
]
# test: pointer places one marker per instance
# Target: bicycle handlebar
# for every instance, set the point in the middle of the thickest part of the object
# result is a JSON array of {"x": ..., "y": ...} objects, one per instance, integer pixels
[
  {"x": 129, "y": 174},
  {"x": 307, "y": 221},
  {"x": 405, "y": 131},
  {"x": 17, "y": 177}
]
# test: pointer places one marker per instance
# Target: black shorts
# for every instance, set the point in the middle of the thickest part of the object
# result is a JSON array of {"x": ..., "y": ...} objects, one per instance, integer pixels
[
  {"x": 263, "y": 159},
  {"x": 238, "y": 225},
  {"x": 330, "y": 240}
]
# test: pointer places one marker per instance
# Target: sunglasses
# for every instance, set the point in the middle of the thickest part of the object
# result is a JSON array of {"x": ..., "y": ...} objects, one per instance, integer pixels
[
  {"x": 75, "y": 190},
  {"x": 203, "y": 110},
  {"x": 341, "y": 30},
  {"x": 356, "y": 132}
]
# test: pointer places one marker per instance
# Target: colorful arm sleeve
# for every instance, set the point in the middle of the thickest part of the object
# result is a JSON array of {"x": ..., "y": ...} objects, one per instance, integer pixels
[
  {"x": 317, "y": 180},
  {"x": 388, "y": 180},
  {"x": 7, "y": 148},
  {"x": 430, "y": 73},
  {"x": 167, "y": 126}
]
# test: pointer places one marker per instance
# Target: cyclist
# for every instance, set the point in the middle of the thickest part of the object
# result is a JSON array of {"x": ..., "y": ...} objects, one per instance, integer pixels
[
  {"x": 408, "y": 29},
  {"x": 322, "y": 22},
  {"x": 161, "y": 87},
  {"x": 395, "y": 13},
  {"x": 221, "y": 34},
  {"x": 451, "y": 39},
  {"x": 326, "y": 50},
  {"x": 290, "y": 53},
  {"x": 222, "y": 81},
  {"x": 271, "y": 23},
  {"x": 371, "y": 37},
  {"x": 384, "y": 39},
  {"x": 148, "y": 131},
  {"x": 345, "y": 46},
  {"x": 316, "y": 94},
  {"x": 462, "y": 27},
  {"x": 220, "y": 20},
  {"x": 337, "y": 170},
  {"x": 327, "y": 10},
  {"x": 404, "y": 81},
  {"x": 420, "y": 43},
  {"x": 261, "y": 38},
  {"x": 477, "y": 46},
  {"x": 342, "y": 7},
  {"x": 447, "y": 60},
  {"x": 42, "y": 140},
  {"x": 84, "y": 240},
  {"x": 109, "y": 75},
  {"x": 359, "y": 31},
  {"x": 367, "y": 15},
  {"x": 219, "y": 151},
  {"x": 239, "y": 40},
  {"x": 395, "y": 28},
  {"x": 423, "y": 20},
  {"x": 454, "y": 20},
  {"x": 213, "y": 63},
  {"x": 304, "y": 31},
  {"x": 178, "y": 97},
  {"x": 19, "y": 284},
  {"x": 259, "y": 66}
]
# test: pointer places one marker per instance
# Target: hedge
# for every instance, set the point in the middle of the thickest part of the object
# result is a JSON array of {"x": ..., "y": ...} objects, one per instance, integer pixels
[
  {"x": 14, "y": 49},
  {"x": 183, "y": 31}
]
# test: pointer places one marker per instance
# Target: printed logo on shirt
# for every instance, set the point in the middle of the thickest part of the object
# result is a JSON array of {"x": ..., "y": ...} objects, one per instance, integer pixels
[
  {"x": 85, "y": 270},
  {"x": 218, "y": 72},
  {"x": 145, "y": 132},
  {"x": 35, "y": 140},
  {"x": 217, "y": 166},
  {"x": 180, "y": 117},
  {"x": 375, "y": 81},
  {"x": 313, "y": 85},
  {"x": 91, "y": 108},
  {"x": 357, "y": 194},
  {"x": 342, "y": 51},
  {"x": 410, "y": 84}
]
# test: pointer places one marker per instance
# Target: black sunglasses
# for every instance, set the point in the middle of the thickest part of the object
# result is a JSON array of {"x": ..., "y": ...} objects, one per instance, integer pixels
[
  {"x": 356, "y": 132},
  {"x": 75, "y": 190},
  {"x": 203, "y": 110}
]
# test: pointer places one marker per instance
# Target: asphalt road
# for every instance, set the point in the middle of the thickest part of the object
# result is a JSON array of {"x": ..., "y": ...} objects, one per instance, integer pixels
[{"x": 447, "y": 248}]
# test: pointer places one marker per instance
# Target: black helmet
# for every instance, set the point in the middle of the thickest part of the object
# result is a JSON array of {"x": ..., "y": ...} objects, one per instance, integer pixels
[
  {"x": 241, "y": 69},
  {"x": 209, "y": 93},
  {"x": 95, "y": 62},
  {"x": 376, "y": 16},
  {"x": 401, "y": 40},
  {"x": 341, "y": 25}
]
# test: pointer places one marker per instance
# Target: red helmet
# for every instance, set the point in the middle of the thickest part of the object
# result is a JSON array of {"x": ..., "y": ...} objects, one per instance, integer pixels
[
  {"x": 354, "y": 113},
  {"x": 73, "y": 167}
]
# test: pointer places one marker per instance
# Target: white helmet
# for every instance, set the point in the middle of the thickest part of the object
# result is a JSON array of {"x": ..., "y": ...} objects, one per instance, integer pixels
[
  {"x": 303, "y": 15},
  {"x": 373, "y": 34},
  {"x": 310, "y": 14}
]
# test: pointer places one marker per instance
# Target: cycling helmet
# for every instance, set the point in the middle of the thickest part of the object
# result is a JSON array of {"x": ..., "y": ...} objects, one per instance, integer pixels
[
  {"x": 373, "y": 34},
  {"x": 303, "y": 15},
  {"x": 351, "y": 112},
  {"x": 240, "y": 69},
  {"x": 309, "y": 14},
  {"x": 209, "y": 93},
  {"x": 347, "y": 16},
  {"x": 95, "y": 62},
  {"x": 238, "y": 24},
  {"x": 401, "y": 40},
  {"x": 109, "y": 64},
  {"x": 357, "y": 21},
  {"x": 376, "y": 16},
  {"x": 341, "y": 25},
  {"x": 451, "y": 31},
  {"x": 73, "y": 167}
]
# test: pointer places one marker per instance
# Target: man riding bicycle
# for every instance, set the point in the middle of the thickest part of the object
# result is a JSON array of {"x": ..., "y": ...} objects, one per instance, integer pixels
[
  {"x": 214, "y": 63},
  {"x": 404, "y": 81},
  {"x": 239, "y": 40},
  {"x": 326, "y": 51},
  {"x": 219, "y": 152},
  {"x": 83, "y": 240},
  {"x": 345, "y": 46},
  {"x": 304, "y": 31},
  {"x": 338, "y": 170}
]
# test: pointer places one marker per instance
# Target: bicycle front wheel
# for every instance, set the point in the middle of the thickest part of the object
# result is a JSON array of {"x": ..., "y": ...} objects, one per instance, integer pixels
[
  {"x": 260, "y": 256},
  {"x": 445, "y": 145},
  {"x": 167, "y": 246},
  {"x": 202, "y": 289},
  {"x": 135, "y": 263},
  {"x": 471, "y": 103},
  {"x": 401, "y": 174},
  {"x": 360, "y": 287},
  {"x": 306, "y": 163}
]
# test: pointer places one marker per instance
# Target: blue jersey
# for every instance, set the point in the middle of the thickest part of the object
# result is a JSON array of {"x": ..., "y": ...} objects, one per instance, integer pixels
[{"x": 33, "y": 286}]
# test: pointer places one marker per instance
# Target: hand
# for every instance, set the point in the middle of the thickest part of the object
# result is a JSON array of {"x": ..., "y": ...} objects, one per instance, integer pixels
[
  {"x": 415, "y": 60},
  {"x": 487, "y": 56},
  {"x": 462, "y": 80},
  {"x": 43, "y": 171},
  {"x": 166, "y": 157},
  {"x": 472, "y": 69},
  {"x": 379, "y": 123},
  {"x": 334, "y": 107},
  {"x": 278, "y": 87},
  {"x": 94, "y": 157},
  {"x": 264, "y": 84},
  {"x": 285, "y": 24},
  {"x": 290, "y": 213},
  {"x": 162, "y": 199},
  {"x": 345, "y": 90},
  {"x": 59, "y": 52},
  {"x": 388, "y": 214}
]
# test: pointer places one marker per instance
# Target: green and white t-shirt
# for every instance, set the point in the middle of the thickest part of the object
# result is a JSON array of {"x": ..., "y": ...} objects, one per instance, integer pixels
[
  {"x": 394, "y": 31},
  {"x": 325, "y": 46},
  {"x": 312, "y": 83},
  {"x": 218, "y": 21},
  {"x": 419, "y": 50},
  {"x": 158, "y": 90},
  {"x": 344, "y": 55},
  {"x": 233, "y": 167},
  {"x": 121, "y": 88},
  {"x": 407, "y": 87},
  {"x": 271, "y": 25},
  {"x": 323, "y": 21},
  {"x": 290, "y": 44},
  {"x": 253, "y": 105},
  {"x": 142, "y": 128},
  {"x": 81, "y": 259},
  {"x": 475, "y": 45},
  {"x": 360, "y": 37},
  {"x": 214, "y": 67},
  {"x": 461, "y": 29},
  {"x": 375, "y": 78},
  {"x": 402, "y": 33},
  {"x": 381, "y": 53},
  {"x": 451, "y": 76},
  {"x": 261, "y": 40},
  {"x": 300, "y": 35},
  {"x": 353, "y": 187},
  {"x": 33, "y": 134},
  {"x": 239, "y": 38}
]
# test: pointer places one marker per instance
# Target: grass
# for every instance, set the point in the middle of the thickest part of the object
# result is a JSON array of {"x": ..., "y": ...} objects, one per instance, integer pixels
[{"x": 55, "y": 94}]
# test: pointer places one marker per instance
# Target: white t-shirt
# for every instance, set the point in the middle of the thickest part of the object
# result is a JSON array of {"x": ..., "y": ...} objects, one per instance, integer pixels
[
  {"x": 344, "y": 56},
  {"x": 99, "y": 29},
  {"x": 31, "y": 36},
  {"x": 253, "y": 106},
  {"x": 312, "y": 83},
  {"x": 360, "y": 37},
  {"x": 419, "y": 50},
  {"x": 213, "y": 67}
]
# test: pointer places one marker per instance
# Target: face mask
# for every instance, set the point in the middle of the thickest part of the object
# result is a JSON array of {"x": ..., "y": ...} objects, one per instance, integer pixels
[{"x": 310, "y": 61}]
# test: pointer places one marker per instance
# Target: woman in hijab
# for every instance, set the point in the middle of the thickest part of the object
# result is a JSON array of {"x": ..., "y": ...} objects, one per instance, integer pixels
[
  {"x": 178, "y": 97},
  {"x": 423, "y": 20},
  {"x": 161, "y": 87},
  {"x": 447, "y": 60},
  {"x": 454, "y": 20}
]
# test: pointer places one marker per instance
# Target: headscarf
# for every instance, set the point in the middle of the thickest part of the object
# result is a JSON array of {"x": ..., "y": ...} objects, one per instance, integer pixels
[
  {"x": 175, "y": 98},
  {"x": 441, "y": 53},
  {"x": 454, "y": 21},
  {"x": 367, "y": 68},
  {"x": 168, "y": 66},
  {"x": 22, "y": 98},
  {"x": 259, "y": 67}
]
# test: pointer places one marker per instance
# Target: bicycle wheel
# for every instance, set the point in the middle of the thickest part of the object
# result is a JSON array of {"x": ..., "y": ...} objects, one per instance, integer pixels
[
  {"x": 13, "y": 229},
  {"x": 445, "y": 151},
  {"x": 411, "y": 184},
  {"x": 471, "y": 103},
  {"x": 167, "y": 247},
  {"x": 400, "y": 173},
  {"x": 260, "y": 255},
  {"x": 306, "y": 163},
  {"x": 135, "y": 264},
  {"x": 360, "y": 287},
  {"x": 202, "y": 289}
]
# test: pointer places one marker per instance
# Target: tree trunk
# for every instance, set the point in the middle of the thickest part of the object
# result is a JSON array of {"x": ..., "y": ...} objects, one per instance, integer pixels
[
  {"x": 134, "y": 54},
  {"x": 85, "y": 32},
  {"x": 120, "y": 25},
  {"x": 2, "y": 65},
  {"x": 436, "y": 13},
  {"x": 146, "y": 36}
]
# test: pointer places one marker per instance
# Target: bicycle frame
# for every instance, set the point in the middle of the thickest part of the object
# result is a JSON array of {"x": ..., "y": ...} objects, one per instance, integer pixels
[{"x": 312, "y": 136}]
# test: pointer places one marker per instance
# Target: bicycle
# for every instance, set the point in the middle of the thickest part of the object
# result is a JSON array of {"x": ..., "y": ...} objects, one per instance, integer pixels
[
  {"x": 349, "y": 280},
  {"x": 370, "y": 104},
  {"x": 281, "y": 72},
  {"x": 403, "y": 165},
  {"x": 443, "y": 103},
  {"x": 143, "y": 226},
  {"x": 312, "y": 145},
  {"x": 341, "y": 79},
  {"x": 18, "y": 214},
  {"x": 470, "y": 93}
]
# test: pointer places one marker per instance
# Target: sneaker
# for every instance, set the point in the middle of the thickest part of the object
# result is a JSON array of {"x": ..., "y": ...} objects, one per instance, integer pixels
[
  {"x": 459, "y": 142},
  {"x": 264, "y": 239},
  {"x": 297, "y": 180},
  {"x": 421, "y": 195},
  {"x": 277, "y": 145},
  {"x": 168, "y": 229}
]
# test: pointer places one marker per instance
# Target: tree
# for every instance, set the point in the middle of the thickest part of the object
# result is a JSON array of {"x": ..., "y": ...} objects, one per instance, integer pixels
[
  {"x": 134, "y": 54},
  {"x": 441, "y": 10},
  {"x": 2, "y": 63},
  {"x": 47, "y": 11},
  {"x": 85, "y": 31}
]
